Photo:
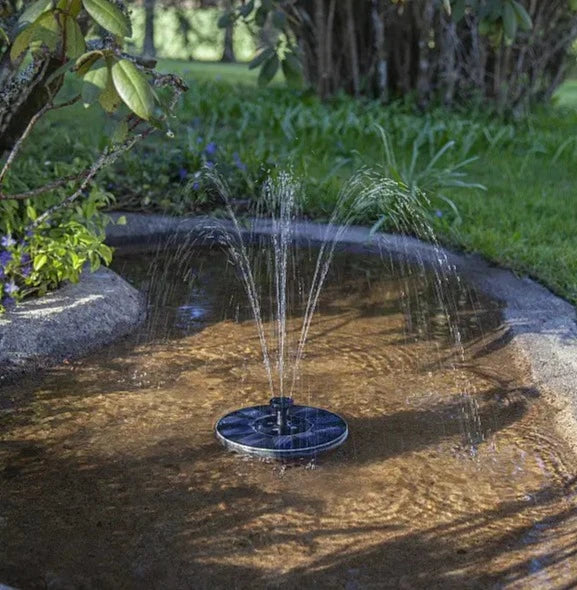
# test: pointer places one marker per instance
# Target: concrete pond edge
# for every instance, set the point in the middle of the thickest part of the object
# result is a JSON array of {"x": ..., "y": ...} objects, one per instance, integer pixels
[
  {"x": 541, "y": 325},
  {"x": 67, "y": 323}
]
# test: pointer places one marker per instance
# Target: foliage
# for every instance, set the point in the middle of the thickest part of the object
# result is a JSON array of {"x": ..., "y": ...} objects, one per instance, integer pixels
[
  {"x": 53, "y": 252},
  {"x": 524, "y": 219},
  {"x": 51, "y": 226},
  {"x": 247, "y": 134},
  {"x": 425, "y": 171}
]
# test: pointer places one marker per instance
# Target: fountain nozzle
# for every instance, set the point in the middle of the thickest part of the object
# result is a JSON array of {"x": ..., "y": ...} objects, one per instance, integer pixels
[{"x": 282, "y": 406}]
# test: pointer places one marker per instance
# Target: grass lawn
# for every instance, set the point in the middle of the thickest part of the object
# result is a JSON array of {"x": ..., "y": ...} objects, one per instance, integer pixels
[
  {"x": 237, "y": 73},
  {"x": 526, "y": 219}
]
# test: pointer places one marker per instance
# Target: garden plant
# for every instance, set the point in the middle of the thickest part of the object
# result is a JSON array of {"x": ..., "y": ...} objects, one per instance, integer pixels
[{"x": 51, "y": 228}]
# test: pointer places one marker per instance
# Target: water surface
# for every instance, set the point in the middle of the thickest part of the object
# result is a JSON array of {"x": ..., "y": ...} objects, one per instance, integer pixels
[{"x": 453, "y": 476}]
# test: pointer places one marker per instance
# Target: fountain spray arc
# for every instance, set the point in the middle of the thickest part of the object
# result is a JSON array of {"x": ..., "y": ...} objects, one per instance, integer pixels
[{"x": 282, "y": 429}]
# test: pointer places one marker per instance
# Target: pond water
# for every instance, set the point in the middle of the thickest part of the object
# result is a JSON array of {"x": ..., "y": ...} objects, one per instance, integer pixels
[{"x": 452, "y": 476}]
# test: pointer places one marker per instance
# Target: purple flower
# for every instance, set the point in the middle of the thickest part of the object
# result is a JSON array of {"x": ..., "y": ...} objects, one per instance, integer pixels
[
  {"x": 8, "y": 302},
  {"x": 2, "y": 274},
  {"x": 199, "y": 140},
  {"x": 25, "y": 258},
  {"x": 209, "y": 164},
  {"x": 182, "y": 173},
  {"x": 210, "y": 149},
  {"x": 10, "y": 288},
  {"x": 29, "y": 233},
  {"x": 439, "y": 213},
  {"x": 7, "y": 241},
  {"x": 5, "y": 258},
  {"x": 26, "y": 270},
  {"x": 195, "y": 186}
]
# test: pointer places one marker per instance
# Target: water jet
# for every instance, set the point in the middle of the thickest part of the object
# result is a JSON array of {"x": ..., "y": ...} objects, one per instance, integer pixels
[{"x": 282, "y": 429}]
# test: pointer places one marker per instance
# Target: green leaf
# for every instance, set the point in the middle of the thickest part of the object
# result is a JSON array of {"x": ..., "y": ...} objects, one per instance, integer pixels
[
  {"x": 260, "y": 16},
  {"x": 94, "y": 262},
  {"x": 109, "y": 99},
  {"x": 292, "y": 71},
  {"x": 523, "y": 17},
  {"x": 47, "y": 31},
  {"x": 261, "y": 58},
  {"x": 120, "y": 132},
  {"x": 86, "y": 61},
  {"x": 226, "y": 20},
  {"x": 74, "y": 8},
  {"x": 33, "y": 11},
  {"x": 95, "y": 82},
  {"x": 485, "y": 27},
  {"x": 246, "y": 9},
  {"x": 509, "y": 21},
  {"x": 31, "y": 213},
  {"x": 105, "y": 252},
  {"x": 40, "y": 261},
  {"x": 44, "y": 31},
  {"x": 573, "y": 4},
  {"x": 109, "y": 16},
  {"x": 70, "y": 7},
  {"x": 75, "y": 44},
  {"x": 268, "y": 70},
  {"x": 458, "y": 10},
  {"x": 21, "y": 43},
  {"x": 133, "y": 88},
  {"x": 76, "y": 260}
]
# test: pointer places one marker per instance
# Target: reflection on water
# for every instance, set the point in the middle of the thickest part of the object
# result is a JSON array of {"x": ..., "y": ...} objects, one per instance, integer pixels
[{"x": 110, "y": 476}]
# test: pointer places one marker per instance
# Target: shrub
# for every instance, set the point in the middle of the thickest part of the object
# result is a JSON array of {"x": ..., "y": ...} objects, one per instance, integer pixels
[{"x": 51, "y": 225}]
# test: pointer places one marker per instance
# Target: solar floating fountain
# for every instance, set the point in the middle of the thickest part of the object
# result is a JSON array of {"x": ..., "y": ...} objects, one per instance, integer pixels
[{"x": 283, "y": 429}]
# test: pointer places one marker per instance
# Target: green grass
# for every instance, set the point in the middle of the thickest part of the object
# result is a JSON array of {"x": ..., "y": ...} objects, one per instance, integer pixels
[
  {"x": 525, "y": 220},
  {"x": 236, "y": 73},
  {"x": 566, "y": 95}
]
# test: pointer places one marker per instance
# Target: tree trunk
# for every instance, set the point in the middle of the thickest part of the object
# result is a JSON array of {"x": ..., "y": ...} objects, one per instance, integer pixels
[
  {"x": 148, "y": 48},
  {"x": 386, "y": 49},
  {"x": 382, "y": 73},
  {"x": 228, "y": 55},
  {"x": 23, "y": 95}
]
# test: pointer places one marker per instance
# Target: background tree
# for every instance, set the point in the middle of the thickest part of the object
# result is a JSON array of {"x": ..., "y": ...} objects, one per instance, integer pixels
[
  {"x": 507, "y": 52},
  {"x": 148, "y": 47},
  {"x": 228, "y": 49}
]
